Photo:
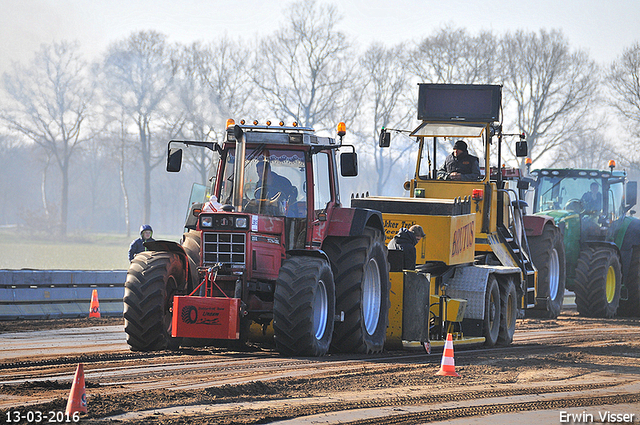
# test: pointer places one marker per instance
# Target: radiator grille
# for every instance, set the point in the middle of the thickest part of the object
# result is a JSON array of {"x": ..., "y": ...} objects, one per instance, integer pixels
[{"x": 226, "y": 248}]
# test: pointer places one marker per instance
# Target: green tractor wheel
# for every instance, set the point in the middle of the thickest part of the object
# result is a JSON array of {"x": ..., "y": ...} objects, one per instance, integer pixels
[{"x": 598, "y": 282}]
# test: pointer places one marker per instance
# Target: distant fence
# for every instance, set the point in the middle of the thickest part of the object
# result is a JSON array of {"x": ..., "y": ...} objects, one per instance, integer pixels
[{"x": 46, "y": 294}]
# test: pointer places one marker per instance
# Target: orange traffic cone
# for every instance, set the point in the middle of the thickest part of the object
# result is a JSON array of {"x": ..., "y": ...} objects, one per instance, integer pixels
[
  {"x": 77, "y": 397},
  {"x": 94, "y": 307},
  {"x": 447, "y": 366}
]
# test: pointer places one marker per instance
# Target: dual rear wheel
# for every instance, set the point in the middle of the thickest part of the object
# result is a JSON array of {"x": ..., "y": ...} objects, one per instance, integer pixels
[
  {"x": 340, "y": 305},
  {"x": 501, "y": 310}
]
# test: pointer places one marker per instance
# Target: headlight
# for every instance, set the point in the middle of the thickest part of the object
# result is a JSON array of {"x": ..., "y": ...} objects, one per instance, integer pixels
[
  {"x": 206, "y": 221},
  {"x": 241, "y": 222}
]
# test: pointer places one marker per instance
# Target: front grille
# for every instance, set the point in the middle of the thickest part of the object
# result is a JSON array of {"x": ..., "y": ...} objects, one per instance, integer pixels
[{"x": 226, "y": 248}]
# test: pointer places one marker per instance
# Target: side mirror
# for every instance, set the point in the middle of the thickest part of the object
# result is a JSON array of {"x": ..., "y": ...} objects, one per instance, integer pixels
[
  {"x": 524, "y": 183},
  {"x": 174, "y": 160},
  {"x": 522, "y": 149},
  {"x": 349, "y": 164},
  {"x": 385, "y": 139},
  {"x": 632, "y": 193}
]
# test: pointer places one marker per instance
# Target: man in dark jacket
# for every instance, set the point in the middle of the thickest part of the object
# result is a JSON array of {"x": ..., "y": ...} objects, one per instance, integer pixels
[
  {"x": 137, "y": 246},
  {"x": 460, "y": 165},
  {"x": 406, "y": 241},
  {"x": 273, "y": 183}
]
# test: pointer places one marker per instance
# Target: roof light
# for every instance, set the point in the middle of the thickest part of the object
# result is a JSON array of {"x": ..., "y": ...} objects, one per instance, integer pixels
[
  {"x": 281, "y": 123},
  {"x": 477, "y": 194},
  {"x": 268, "y": 123},
  {"x": 255, "y": 122},
  {"x": 295, "y": 124},
  {"x": 242, "y": 122},
  {"x": 612, "y": 164},
  {"x": 230, "y": 122},
  {"x": 528, "y": 161},
  {"x": 342, "y": 129}
]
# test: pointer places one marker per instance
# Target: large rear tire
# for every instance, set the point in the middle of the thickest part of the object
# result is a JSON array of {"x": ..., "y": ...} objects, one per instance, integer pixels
[
  {"x": 304, "y": 307},
  {"x": 360, "y": 269},
  {"x": 491, "y": 321},
  {"x": 598, "y": 281},
  {"x": 191, "y": 242},
  {"x": 508, "y": 311},
  {"x": 152, "y": 281},
  {"x": 547, "y": 254},
  {"x": 631, "y": 306}
]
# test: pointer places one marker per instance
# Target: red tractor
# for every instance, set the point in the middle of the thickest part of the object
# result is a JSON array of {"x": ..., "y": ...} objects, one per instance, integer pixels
[{"x": 278, "y": 250}]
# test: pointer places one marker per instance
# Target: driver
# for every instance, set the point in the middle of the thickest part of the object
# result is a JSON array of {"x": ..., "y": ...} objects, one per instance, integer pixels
[
  {"x": 459, "y": 165},
  {"x": 592, "y": 200},
  {"x": 273, "y": 184}
]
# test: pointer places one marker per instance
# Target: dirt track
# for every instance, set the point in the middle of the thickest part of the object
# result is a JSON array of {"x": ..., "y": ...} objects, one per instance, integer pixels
[{"x": 553, "y": 368}]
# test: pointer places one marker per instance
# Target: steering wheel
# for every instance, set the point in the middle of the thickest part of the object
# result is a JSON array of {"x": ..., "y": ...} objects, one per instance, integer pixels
[
  {"x": 257, "y": 194},
  {"x": 574, "y": 204}
]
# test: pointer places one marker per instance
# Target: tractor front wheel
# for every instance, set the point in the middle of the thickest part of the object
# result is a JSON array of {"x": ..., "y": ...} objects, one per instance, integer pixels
[
  {"x": 547, "y": 254},
  {"x": 153, "y": 279},
  {"x": 304, "y": 307},
  {"x": 598, "y": 281}
]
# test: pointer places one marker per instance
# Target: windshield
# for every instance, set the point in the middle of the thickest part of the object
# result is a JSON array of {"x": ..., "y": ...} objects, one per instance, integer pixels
[
  {"x": 569, "y": 193},
  {"x": 274, "y": 182},
  {"x": 444, "y": 155}
]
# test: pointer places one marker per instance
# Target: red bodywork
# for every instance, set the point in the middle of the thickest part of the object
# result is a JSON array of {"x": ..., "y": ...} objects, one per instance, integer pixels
[
  {"x": 206, "y": 317},
  {"x": 533, "y": 224}
]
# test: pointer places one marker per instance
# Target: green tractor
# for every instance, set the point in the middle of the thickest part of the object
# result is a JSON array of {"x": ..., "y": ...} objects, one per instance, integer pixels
[{"x": 601, "y": 240}]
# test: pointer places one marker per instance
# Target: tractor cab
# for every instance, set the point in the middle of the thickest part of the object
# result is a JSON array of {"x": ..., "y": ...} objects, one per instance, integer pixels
[
  {"x": 593, "y": 199},
  {"x": 288, "y": 176}
]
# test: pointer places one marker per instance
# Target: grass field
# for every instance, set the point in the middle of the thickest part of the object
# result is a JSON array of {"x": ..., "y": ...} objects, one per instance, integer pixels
[{"x": 21, "y": 250}]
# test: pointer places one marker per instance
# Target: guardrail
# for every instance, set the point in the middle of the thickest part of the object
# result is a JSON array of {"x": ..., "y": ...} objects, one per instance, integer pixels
[{"x": 46, "y": 294}]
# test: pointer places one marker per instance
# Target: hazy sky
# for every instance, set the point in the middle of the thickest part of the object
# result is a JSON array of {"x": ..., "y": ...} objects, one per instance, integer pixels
[{"x": 603, "y": 28}]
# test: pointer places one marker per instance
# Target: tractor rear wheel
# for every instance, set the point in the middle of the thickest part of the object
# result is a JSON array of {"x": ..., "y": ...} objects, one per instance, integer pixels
[
  {"x": 631, "y": 306},
  {"x": 508, "y": 311},
  {"x": 547, "y": 254},
  {"x": 361, "y": 274},
  {"x": 152, "y": 281},
  {"x": 598, "y": 281},
  {"x": 491, "y": 322},
  {"x": 191, "y": 242},
  {"x": 304, "y": 307}
]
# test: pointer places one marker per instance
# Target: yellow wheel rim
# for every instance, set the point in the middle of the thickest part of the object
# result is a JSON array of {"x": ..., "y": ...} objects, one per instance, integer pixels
[{"x": 611, "y": 284}]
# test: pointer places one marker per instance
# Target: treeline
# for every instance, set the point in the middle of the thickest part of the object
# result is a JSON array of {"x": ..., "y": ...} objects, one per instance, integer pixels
[{"x": 83, "y": 141}]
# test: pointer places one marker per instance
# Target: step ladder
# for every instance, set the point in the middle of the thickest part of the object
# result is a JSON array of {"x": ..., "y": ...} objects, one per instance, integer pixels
[{"x": 521, "y": 258}]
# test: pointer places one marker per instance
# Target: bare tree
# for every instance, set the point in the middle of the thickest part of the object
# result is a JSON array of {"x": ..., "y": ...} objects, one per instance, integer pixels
[
  {"x": 212, "y": 86},
  {"x": 51, "y": 101},
  {"x": 453, "y": 56},
  {"x": 548, "y": 88},
  {"x": 386, "y": 106},
  {"x": 591, "y": 142},
  {"x": 139, "y": 75},
  {"x": 306, "y": 71},
  {"x": 623, "y": 79}
]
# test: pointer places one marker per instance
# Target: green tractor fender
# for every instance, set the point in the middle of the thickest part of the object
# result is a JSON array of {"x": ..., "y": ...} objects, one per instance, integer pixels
[{"x": 627, "y": 238}]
